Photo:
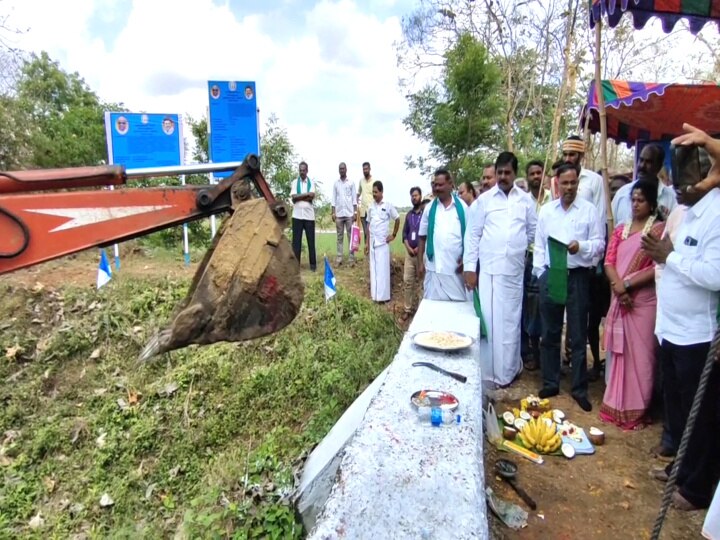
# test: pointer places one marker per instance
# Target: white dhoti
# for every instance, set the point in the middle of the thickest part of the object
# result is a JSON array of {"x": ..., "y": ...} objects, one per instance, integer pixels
[
  {"x": 501, "y": 301},
  {"x": 445, "y": 287},
  {"x": 380, "y": 273}
]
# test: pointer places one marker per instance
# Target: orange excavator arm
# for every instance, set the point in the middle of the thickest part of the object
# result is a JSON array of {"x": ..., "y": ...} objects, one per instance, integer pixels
[
  {"x": 48, "y": 214},
  {"x": 248, "y": 284}
]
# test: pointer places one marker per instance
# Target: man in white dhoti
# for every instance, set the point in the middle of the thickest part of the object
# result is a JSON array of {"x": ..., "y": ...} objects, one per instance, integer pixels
[
  {"x": 379, "y": 215},
  {"x": 501, "y": 226},
  {"x": 441, "y": 242}
]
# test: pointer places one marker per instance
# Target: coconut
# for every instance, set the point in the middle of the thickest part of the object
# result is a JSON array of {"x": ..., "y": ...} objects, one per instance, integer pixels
[
  {"x": 596, "y": 436},
  {"x": 509, "y": 433},
  {"x": 568, "y": 450},
  {"x": 519, "y": 424},
  {"x": 525, "y": 416},
  {"x": 508, "y": 418},
  {"x": 558, "y": 416}
]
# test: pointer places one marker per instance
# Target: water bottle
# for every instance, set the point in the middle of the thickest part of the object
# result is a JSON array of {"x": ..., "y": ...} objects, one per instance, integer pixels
[{"x": 438, "y": 417}]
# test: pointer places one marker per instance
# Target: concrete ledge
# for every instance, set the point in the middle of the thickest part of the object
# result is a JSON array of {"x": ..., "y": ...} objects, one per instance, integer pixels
[{"x": 399, "y": 478}]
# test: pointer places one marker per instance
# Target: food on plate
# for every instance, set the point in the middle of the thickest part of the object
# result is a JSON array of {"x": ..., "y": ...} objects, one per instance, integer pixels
[
  {"x": 570, "y": 430},
  {"x": 443, "y": 340},
  {"x": 541, "y": 436},
  {"x": 434, "y": 398},
  {"x": 508, "y": 418},
  {"x": 568, "y": 450},
  {"x": 509, "y": 433},
  {"x": 596, "y": 436}
]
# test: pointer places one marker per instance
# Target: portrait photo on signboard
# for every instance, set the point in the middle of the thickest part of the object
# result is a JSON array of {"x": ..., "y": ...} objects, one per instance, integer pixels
[
  {"x": 121, "y": 125},
  {"x": 168, "y": 125},
  {"x": 249, "y": 92},
  {"x": 232, "y": 86},
  {"x": 215, "y": 91}
]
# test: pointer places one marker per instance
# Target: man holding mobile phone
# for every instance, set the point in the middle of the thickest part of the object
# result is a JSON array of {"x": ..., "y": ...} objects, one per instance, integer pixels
[{"x": 687, "y": 320}]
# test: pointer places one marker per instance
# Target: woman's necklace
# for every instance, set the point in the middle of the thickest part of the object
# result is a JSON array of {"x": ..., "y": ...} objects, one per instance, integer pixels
[{"x": 646, "y": 228}]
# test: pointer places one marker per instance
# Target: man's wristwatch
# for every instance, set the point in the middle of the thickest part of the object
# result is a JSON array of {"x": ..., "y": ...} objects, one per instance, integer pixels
[{"x": 626, "y": 284}]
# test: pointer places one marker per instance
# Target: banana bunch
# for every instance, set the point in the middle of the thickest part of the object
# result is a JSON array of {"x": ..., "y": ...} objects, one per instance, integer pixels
[{"x": 541, "y": 436}]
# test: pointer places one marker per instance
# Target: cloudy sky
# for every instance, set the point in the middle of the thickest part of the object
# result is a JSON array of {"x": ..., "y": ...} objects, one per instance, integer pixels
[{"x": 326, "y": 68}]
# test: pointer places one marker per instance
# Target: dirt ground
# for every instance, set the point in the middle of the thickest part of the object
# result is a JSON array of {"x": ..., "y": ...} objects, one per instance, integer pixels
[{"x": 606, "y": 495}]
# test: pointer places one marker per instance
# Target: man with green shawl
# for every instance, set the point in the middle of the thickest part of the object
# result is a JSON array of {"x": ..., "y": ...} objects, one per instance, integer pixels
[
  {"x": 442, "y": 228},
  {"x": 568, "y": 242}
]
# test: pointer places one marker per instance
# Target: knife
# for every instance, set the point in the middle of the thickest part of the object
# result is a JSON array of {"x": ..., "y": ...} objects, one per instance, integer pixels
[{"x": 456, "y": 376}]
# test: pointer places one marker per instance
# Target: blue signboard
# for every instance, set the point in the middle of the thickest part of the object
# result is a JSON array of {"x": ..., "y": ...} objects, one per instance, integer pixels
[
  {"x": 138, "y": 140},
  {"x": 233, "y": 121}
]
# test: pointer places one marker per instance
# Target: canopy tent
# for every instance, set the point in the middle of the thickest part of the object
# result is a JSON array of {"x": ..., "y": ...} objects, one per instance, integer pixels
[
  {"x": 652, "y": 111},
  {"x": 697, "y": 12}
]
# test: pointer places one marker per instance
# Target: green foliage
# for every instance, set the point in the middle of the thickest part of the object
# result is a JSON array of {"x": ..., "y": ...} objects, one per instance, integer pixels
[
  {"x": 200, "y": 443},
  {"x": 460, "y": 118},
  {"x": 199, "y": 129},
  {"x": 67, "y": 126},
  {"x": 277, "y": 158},
  {"x": 15, "y": 135}
]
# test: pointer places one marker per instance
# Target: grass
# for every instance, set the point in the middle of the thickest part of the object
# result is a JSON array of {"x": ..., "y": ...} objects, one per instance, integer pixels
[
  {"x": 200, "y": 443},
  {"x": 326, "y": 244}
]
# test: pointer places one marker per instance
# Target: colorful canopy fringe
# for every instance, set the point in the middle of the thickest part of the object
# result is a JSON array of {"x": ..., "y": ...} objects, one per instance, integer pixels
[
  {"x": 697, "y": 12},
  {"x": 652, "y": 111}
]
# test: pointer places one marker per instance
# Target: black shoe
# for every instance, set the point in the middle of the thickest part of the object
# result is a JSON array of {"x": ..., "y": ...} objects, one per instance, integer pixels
[
  {"x": 585, "y": 405},
  {"x": 593, "y": 374},
  {"x": 548, "y": 392},
  {"x": 313, "y": 268}
]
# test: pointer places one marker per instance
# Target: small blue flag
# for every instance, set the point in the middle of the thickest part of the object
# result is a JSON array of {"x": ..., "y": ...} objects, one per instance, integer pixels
[
  {"x": 104, "y": 271},
  {"x": 330, "y": 289}
]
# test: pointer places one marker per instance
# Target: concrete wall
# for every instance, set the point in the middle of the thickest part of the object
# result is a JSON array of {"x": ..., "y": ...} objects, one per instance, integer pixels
[{"x": 400, "y": 478}]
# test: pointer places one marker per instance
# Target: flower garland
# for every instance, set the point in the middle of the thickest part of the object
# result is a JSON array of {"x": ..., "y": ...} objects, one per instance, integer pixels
[{"x": 648, "y": 225}]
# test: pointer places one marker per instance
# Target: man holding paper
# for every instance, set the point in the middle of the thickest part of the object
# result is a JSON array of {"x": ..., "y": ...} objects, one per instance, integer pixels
[{"x": 568, "y": 242}]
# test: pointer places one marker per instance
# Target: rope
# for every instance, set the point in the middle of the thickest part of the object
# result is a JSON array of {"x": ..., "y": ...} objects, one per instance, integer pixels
[{"x": 694, "y": 410}]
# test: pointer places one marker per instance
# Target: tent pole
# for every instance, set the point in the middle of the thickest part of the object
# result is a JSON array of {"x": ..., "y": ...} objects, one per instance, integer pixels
[{"x": 603, "y": 124}]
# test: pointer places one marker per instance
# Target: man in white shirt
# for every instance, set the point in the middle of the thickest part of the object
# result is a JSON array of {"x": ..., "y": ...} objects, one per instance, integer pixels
[
  {"x": 687, "y": 319},
  {"x": 591, "y": 188},
  {"x": 442, "y": 228},
  {"x": 303, "y": 217},
  {"x": 344, "y": 211},
  {"x": 649, "y": 164},
  {"x": 574, "y": 222},
  {"x": 501, "y": 226},
  {"x": 377, "y": 243}
]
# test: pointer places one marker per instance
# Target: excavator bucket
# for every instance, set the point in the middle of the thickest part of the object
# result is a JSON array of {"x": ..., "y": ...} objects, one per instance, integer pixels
[{"x": 247, "y": 286}]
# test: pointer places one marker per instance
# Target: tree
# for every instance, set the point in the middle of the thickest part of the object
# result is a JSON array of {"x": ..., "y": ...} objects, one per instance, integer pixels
[
  {"x": 277, "y": 158},
  {"x": 66, "y": 116},
  {"x": 460, "y": 117}
]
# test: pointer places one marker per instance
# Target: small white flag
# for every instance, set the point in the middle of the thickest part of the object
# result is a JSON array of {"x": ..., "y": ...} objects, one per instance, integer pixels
[
  {"x": 330, "y": 289},
  {"x": 104, "y": 270}
]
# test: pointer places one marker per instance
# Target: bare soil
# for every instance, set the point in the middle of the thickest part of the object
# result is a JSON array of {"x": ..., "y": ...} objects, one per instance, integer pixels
[{"x": 608, "y": 495}]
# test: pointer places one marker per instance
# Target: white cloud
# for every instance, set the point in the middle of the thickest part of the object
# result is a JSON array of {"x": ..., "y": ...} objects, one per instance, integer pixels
[{"x": 332, "y": 81}]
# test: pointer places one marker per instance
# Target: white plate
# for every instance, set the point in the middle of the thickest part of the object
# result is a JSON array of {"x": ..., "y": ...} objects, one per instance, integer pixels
[{"x": 433, "y": 340}]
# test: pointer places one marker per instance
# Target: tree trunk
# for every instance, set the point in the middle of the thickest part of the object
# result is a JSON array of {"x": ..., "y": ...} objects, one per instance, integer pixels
[
  {"x": 603, "y": 123},
  {"x": 560, "y": 105}
]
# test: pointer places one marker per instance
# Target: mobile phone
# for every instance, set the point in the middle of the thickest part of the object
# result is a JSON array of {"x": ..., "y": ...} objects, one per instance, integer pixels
[{"x": 686, "y": 169}]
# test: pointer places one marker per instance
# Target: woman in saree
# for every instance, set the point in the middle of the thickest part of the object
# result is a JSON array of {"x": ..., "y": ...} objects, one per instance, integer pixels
[{"x": 630, "y": 322}]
